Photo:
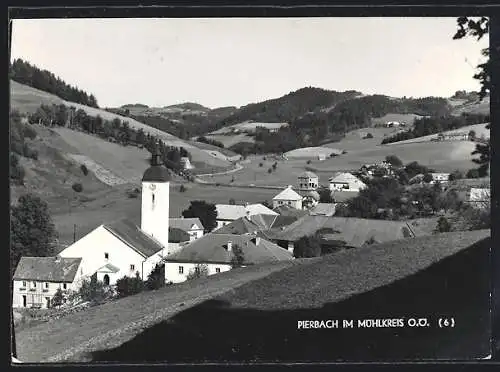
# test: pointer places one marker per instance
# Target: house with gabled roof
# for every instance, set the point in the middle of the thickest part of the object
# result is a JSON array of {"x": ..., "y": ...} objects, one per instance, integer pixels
[
  {"x": 227, "y": 213},
  {"x": 345, "y": 181},
  {"x": 192, "y": 226},
  {"x": 288, "y": 197},
  {"x": 216, "y": 251},
  {"x": 255, "y": 224},
  {"x": 37, "y": 279}
]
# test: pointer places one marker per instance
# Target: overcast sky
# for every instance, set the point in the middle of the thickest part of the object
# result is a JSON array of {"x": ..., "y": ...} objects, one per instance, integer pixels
[{"x": 236, "y": 61}]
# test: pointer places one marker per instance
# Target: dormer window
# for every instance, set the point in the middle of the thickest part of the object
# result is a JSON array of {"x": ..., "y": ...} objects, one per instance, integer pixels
[{"x": 106, "y": 256}]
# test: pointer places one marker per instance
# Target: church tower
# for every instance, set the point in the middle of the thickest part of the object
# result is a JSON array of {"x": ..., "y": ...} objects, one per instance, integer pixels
[{"x": 155, "y": 200}]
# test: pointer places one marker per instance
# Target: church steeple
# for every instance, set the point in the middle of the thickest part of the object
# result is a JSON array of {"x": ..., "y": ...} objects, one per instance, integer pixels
[{"x": 156, "y": 172}]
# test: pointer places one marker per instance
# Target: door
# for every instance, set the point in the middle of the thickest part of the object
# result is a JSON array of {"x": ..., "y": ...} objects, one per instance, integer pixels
[
  {"x": 106, "y": 279},
  {"x": 47, "y": 301},
  {"x": 24, "y": 301}
]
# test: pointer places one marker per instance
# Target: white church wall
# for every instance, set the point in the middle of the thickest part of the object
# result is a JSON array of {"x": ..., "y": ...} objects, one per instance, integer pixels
[
  {"x": 173, "y": 272},
  {"x": 93, "y": 247},
  {"x": 155, "y": 210}
]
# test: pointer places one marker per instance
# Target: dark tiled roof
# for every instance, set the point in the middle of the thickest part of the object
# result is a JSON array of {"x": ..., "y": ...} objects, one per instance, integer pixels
[
  {"x": 213, "y": 248},
  {"x": 134, "y": 237},
  {"x": 47, "y": 269},
  {"x": 289, "y": 211},
  {"x": 354, "y": 231},
  {"x": 176, "y": 235},
  {"x": 282, "y": 221},
  {"x": 156, "y": 173}
]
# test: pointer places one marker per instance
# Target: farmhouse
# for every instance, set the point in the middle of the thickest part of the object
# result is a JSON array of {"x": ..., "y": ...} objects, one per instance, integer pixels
[
  {"x": 436, "y": 177},
  {"x": 288, "y": 197},
  {"x": 186, "y": 163},
  {"x": 344, "y": 231},
  {"x": 37, "y": 279},
  {"x": 215, "y": 253},
  {"x": 192, "y": 226},
  {"x": 227, "y": 213},
  {"x": 346, "y": 182},
  {"x": 177, "y": 238},
  {"x": 308, "y": 181},
  {"x": 479, "y": 197}
]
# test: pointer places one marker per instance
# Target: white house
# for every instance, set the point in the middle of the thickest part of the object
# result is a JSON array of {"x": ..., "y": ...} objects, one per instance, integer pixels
[
  {"x": 288, "y": 197},
  {"x": 227, "y": 213},
  {"x": 186, "y": 163},
  {"x": 37, "y": 279},
  {"x": 440, "y": 177},
  {"x": 216, "y": 251},
  {"x": 479, "y": 197},
  {"x": 308, "y": 181},
  {"x": 192, "y": 226},
  {"x": 346, "y": 182}
]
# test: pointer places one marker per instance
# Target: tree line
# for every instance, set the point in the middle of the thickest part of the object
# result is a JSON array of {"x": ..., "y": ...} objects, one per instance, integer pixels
[
  {"x": 435, "y": 124},
  {"x": 114, "y": 130},
  {"x": 25, "y": 73}
]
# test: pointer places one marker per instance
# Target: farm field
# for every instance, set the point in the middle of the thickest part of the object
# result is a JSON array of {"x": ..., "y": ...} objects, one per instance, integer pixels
[
  {"x": 27, "y": 99},
  {"x": 402, "y": 118},
  {"x": 312, "y": 152},
  {"x": 249, "y": 126},
  {"x": 482, "y": 107},
  {"x": 354, "y": 141},
  {"x": 441, "y": 156},
  {"x": 286, "y": 172},
  {"x": 231, "y": 139}
]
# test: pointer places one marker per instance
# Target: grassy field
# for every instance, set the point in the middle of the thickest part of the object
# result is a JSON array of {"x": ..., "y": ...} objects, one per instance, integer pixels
[
  {"x": 249, "y": 126},
  {"x": 231, "y": 139},
  {"x": 402, "y": 118},
  {"x": 440, "y": 276},
  {"x": 480, "y": 130},
  {"x": 74, "y": 336},
  {"x": 286, "y": 172},
  {"x": 354, "y": 141},
  {"x": 472, "y": 108},
  {"x": 442, "y": 156},
  {"x": 312, "y": 152},
  {"x": 27, "y": 99}
]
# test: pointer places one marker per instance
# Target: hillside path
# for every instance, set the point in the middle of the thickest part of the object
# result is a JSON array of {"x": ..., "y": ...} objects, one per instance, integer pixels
[{"x": 74, "y": 336}]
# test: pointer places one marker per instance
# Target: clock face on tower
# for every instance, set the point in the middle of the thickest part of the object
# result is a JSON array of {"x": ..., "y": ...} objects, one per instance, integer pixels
[{"x": 152, "y": 186}]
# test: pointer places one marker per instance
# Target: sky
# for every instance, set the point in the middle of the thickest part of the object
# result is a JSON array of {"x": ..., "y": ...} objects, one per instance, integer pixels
[{"x": 236, "y": 61}]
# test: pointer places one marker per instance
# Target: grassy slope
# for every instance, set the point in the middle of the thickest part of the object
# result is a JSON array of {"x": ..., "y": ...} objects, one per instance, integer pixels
[
  {"x": 27, "y": 99},
  {"x": 441, "y": 276},
  {"x": 111, "y": 324}
]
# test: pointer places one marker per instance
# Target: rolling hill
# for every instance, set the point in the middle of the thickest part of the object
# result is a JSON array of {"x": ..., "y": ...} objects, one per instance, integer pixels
[
  {"x": 27, "y": 100},
  {"x": 251, "y": 314}
]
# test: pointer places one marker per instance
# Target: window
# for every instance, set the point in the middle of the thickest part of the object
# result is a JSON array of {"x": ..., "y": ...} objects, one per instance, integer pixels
[
  {"x": 217, "y": 269},
  {"x": 46, "y": 285},
  {"x": 34, "y": 285},
  {"x": 132, "y": 267},
  {"x": 24, "y": 284},
  {"x": 106, "y": 255},
  {"x": 65, "y": 286},
  {"x": 197, "y": 270},
  {"x": 181, "y": 269}
]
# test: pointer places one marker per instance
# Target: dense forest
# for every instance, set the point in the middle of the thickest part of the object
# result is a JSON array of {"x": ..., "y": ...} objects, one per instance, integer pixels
[
  {"x": 28, "y": 74},
  {"x": 315, "y": 127},
  {"x": 435, "y": 124}
]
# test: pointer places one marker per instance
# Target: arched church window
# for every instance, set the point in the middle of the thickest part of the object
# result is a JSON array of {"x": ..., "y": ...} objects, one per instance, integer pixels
[{"x": 153, "y": 199}]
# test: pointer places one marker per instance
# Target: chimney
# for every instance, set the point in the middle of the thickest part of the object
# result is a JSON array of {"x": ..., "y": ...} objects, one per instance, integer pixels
[{"x": 229, "y": 246}]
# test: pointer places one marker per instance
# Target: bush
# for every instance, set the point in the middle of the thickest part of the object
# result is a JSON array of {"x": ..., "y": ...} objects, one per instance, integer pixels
[
  {"x": 261, "y": 165},
  {"x": 307, "y": 246},
  {"x": 427, "y": 178},
  {"x": 270, "y": 170},
  {"x": 232, "y": 201},
  {"x": 199, "y": 271},
  {"x": 84, "y": 169},
  {"x": 455, "y": 175},
  {"x": 238, "y": 257},
  {"x": 443, "y": 225},
  {"x": 368, "y": 135},
  {"x": 92, "y": 290},
  {"x": 77, "y": 187},
  {"x": 128, "y": 286},
  {"x": 472, "y": 173},
  {"x": 308, "y": 162},
  {"x": 156, "y": 279},
  {"x": 29, "y": 132},
  {"x": 182, "y": 188},
  {"x": 58, "y": 298},
  {"x": 29, "y": 153},
  {"x": 394, "y": 160}
]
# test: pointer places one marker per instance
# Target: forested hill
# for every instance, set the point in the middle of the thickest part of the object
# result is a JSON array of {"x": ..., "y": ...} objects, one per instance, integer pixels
[
  {"x": 290, "y": 106},
  {"x": 25, "y": 73}
]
